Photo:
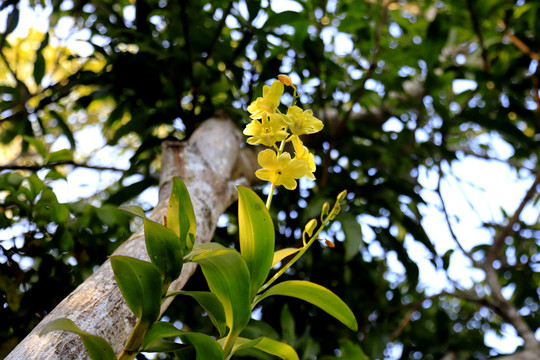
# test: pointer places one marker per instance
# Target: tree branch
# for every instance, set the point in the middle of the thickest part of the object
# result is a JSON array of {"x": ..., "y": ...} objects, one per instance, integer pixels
[{"x": 499, "y": 240}]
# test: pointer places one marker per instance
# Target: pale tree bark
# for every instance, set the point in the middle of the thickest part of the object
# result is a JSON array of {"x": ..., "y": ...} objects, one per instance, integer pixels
[{"x": 205, "y": 163}]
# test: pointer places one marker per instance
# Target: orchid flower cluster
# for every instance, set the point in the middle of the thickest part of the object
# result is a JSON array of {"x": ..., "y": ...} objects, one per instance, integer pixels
[{"x": 270, "y": 126}]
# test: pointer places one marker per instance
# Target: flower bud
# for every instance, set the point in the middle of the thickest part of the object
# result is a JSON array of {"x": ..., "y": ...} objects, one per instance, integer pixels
[
  {"x": 341, "y": 196},
  {"x": 325, "y": 209},
  {"x": 286, "y": 80}
]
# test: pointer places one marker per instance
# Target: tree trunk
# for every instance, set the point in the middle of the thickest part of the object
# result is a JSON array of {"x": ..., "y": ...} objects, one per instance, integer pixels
[{"x": 205, "y": 163}]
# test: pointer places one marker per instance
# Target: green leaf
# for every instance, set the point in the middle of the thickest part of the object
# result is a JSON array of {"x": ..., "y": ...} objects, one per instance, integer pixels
[
  {"x": 164, "y": 249},
  {"x": 60, "y": 156},
  {"x": 283, "y": 253},
  {"x": 240, "y": 344},
  {"x": 39, "y": 68},
  {"x": 97, "y": 347},
  {"x": 256, "y": 232},
  {"x": 351, "y": 351},
  {"x": 316, "y": 295},
  {"x": 206, "y": 347},
  {"x": 12, "y": 21},
  {"x": 180, "y": 214},
  {"x": 353, "y": 235},
  {"x": 283, "y": 18},
  {"x": 140, "y": 284},
  {"x": 287, "y": 325},
  {"x": 63, "y": 125},
  {"x": 37, "y": 144},
  {"x": 210, "y": 303},
  {"x": 269, "y": 346},
  {"x": 228, "y": 278}
]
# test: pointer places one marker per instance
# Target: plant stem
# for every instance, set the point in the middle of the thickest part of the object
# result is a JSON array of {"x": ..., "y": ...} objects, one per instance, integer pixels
[
  {"x": 270, "y": 195},
  {"x": 229, "y": 343},
  {"x": 134, "y": 342}
]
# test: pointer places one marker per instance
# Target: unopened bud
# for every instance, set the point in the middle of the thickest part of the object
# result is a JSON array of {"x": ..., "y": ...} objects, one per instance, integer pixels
[
  {"x": 341, "y": 196},
  {"x": 286, "y": 80},
  {"x": 325, "y": 208},
  {"x": 329, "y": 243}
]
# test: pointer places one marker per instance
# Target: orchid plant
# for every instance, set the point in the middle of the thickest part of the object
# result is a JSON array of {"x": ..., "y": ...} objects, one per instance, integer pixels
[{"x": 237, "y": 281}]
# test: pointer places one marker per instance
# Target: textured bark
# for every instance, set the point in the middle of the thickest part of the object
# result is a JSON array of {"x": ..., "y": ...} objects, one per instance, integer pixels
[{"x": 205, "y": 163}]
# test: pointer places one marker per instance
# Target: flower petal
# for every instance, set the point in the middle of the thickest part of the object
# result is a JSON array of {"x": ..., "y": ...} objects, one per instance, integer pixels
[{"x": 268, "y": 159}]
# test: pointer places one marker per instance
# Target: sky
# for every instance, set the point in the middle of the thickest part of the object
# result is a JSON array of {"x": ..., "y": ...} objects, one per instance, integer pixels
[{"x": 489, "y": 186}]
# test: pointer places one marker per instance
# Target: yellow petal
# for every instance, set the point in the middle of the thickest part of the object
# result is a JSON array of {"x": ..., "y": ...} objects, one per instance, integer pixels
[{"x": 268, "y": 159}]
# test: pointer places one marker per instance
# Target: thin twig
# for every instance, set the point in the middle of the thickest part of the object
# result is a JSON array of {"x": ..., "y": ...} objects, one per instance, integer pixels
[
  {"x": 447, "y": 218},
  {"x": 476, "y": 27},
  {"x": 59, "y": 163},
  {"x": 219, "y": 30}
]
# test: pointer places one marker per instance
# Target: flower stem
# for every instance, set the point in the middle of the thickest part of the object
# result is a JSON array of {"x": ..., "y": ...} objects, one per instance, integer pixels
[{"x": 270, "y": 195}]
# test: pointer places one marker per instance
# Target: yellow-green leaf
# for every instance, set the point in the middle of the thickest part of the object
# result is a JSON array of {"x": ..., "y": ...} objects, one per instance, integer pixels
[
  {"x": 180, "y": 214},
  {"x": 316, "y": 295},
  {"x": 269, "y": 346},
  {"x": 228, "y": 278},
  {"x": 256, "y": 232}
]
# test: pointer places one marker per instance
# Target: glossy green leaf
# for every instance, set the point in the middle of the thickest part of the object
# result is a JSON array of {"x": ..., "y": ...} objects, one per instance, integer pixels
[
  {"x": 140, "y": 284},
  {"x": 256, "y": 232},
  {"x": 228, "y": 278},
  {"x": 164, "y": 249},
  {"x": 134, "y": 210},
  {"x": 240, "y": 344},
  {"x": 211, "y": 304},
  {"x": 269, "y": 346},
  {"x": 161, "y": 346},
  {"x": 205, "y": 347},
  {"x": 316, "y": 295},
  {"x": 283, "y": 253},
  {"x": 180, "y": 214},
  {"x": 97, "y": 347}
]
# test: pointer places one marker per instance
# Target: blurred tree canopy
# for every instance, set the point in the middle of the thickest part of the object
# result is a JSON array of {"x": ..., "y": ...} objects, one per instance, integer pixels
[{"x": 404, "y": 88}]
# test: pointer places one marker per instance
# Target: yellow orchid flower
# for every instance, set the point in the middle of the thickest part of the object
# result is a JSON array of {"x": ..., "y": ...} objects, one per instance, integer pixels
[
  {"x": 280, "y": 170},
  {"x": 269, "y": 102},
  {"x": 302, "y": 122},
  {"x": 267, "y": 131},
  {"x": 302, "y": 153}
]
